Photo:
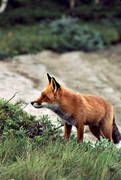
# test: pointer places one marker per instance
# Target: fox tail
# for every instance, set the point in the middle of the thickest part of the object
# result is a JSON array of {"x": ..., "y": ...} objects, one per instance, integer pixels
[{"x": 116, "y": 134}]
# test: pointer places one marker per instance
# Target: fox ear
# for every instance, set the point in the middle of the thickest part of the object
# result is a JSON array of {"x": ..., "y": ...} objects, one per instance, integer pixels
[
  {"x": 55, "y": 84},
  {"x": 49, "y": 78}
]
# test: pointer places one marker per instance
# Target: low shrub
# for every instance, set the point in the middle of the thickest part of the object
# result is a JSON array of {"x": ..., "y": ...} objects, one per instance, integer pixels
[
  {"x": 110, "y": 35},
  {"x": 14, "y": 121},
  {"x": 71, "y": 36}
]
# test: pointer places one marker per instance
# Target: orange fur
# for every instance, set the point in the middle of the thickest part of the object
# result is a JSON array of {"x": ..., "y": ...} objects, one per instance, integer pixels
[{"x": 89, "y": 110}]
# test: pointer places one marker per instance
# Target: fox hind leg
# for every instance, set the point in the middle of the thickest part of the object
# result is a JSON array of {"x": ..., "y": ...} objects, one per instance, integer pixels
[
  {"x": 107, "y": 131},
  {"x": 96, "y": 131}
]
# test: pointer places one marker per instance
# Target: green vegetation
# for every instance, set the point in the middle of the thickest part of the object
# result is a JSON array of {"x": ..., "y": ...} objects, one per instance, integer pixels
[
  {"x": 72, "y": 36},
  {"x": 27, "y": 12},
  {"x": 98, "y": 26},
  {"x": 18, "y": 123},
  {"x": 45, "y": 155},
  {"x": 60, "y": 35}
]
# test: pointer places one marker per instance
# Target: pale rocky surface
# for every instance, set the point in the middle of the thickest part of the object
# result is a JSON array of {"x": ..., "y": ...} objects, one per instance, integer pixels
[{"x": 88, "y": 73}]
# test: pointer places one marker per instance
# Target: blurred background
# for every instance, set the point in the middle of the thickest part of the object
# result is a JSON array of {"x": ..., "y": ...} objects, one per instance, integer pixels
[
  {"x": 77, "y": 41},
  {"x": 29, "y": 27}
]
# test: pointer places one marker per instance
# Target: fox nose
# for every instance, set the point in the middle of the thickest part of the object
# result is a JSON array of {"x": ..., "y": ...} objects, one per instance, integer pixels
[{"x": 32, "y": 102}]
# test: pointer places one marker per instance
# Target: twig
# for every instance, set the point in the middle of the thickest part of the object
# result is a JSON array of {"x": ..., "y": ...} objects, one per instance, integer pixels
[
  {"x": 10, "y": 98},
  {"x": 8, "y": 101},
  {"x": 59, "y": 127}
]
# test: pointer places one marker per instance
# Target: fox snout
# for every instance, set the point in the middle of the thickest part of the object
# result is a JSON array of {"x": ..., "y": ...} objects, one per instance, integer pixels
[
  {"x": 42, "y": 105},
  {"x": 32, "y": 103},
  {"x": 36, "y": 105}
]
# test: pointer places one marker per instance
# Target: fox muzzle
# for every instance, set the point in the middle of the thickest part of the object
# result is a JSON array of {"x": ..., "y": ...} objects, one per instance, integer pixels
[
  {"x": 53, "y": 107},
  {"x": 36, "y": 105}
]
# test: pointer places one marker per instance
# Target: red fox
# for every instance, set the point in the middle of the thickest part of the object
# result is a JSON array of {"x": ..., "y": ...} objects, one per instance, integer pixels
[{"x": 79, "y": 110}]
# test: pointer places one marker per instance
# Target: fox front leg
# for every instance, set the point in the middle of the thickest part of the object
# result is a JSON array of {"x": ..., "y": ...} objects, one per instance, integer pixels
[
  {"x": 80, "y": 132},
  {"x": 67, "y": 131}
]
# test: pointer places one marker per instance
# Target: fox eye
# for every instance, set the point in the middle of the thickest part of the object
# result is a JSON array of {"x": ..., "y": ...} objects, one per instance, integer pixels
[{"x": 44, "y": 96}]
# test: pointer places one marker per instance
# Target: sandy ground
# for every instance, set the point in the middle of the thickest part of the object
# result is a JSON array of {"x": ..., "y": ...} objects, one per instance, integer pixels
[{"x": 92, "y": 73}]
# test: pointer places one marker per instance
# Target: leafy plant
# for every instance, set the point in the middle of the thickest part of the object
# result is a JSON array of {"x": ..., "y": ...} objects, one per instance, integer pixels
[
  {"x": 110, "y": 36},
  {"x": 71, "y": 36},
  {"x": 13, "y": 121}
]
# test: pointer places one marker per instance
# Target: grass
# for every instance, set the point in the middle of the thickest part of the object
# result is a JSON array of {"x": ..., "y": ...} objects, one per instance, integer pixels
[
  {"x": 20, "y": 40},
  {"x": 50, "y": 157},
  {"x": 23, "y": 159}
]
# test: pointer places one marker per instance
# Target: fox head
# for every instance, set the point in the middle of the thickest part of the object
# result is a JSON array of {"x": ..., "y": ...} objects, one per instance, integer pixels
[{"x": 49, "y": 96}]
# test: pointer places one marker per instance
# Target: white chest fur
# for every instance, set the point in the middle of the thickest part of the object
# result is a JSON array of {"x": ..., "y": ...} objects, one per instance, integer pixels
[{"x": 56, "y": 108}]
